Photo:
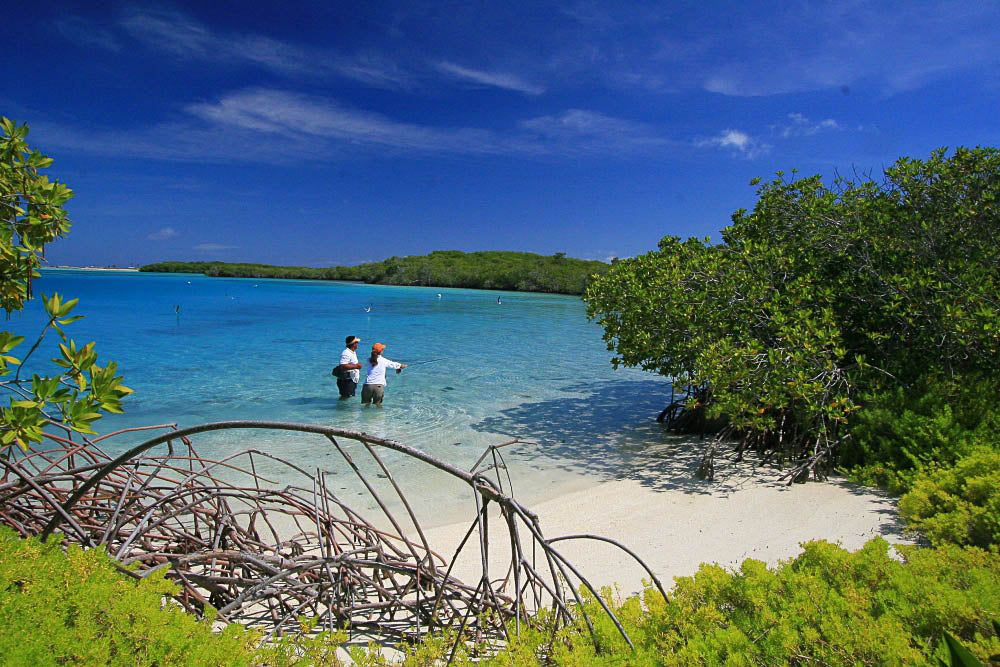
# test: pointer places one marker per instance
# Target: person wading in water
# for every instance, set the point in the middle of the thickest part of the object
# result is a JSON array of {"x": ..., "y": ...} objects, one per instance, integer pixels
[
  {"x": 374, "y": 389},
  {"x": 348, "y": 371}
]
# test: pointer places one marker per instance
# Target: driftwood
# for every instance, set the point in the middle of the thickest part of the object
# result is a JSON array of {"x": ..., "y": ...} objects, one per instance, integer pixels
[{"x": 264, "y": 557}]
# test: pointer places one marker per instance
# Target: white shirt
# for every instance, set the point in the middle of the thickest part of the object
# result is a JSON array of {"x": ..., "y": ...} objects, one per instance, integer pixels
[
  {"x": 376, "y": 373},
  {"x": 348, "y": 356}
]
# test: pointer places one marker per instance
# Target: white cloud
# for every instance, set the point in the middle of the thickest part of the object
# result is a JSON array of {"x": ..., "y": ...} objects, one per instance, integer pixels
[
  {"x": 800, "y": 126},
  {"x": 162, "y": 234},
  {"x": 371, "y": 69},
  {"x": 579, "y": 122},
  {"x": 636, "y": 47},
  {"x": 734, "y": 138},
  {"x": 86, "y": 33},
  {"x": 210, "y": 247},
  {"x": 595, "y": 132},
  {"x": 737, "y": 49},
  {"x": 750, "y": 147},
  {"x": 494, "y": 79},
  {"x": 608, "y": 257},
  {"x": 170, "y": 32},
  {"x": 815, "y": 46},
  {"x": 737, "y": 140},
  {"x": 276, "y": 126},
  {"x": 302, "y": 117},
  {"x": 297, "y": 116},
  {"x": 187, "y": 39}
]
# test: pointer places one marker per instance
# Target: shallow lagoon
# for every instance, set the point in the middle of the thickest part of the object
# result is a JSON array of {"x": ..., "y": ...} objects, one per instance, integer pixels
[{"x": 198, "y": 349}]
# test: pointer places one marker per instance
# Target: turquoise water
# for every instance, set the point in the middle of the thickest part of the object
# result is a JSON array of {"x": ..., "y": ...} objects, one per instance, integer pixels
[{"x": 198, "y": 349}]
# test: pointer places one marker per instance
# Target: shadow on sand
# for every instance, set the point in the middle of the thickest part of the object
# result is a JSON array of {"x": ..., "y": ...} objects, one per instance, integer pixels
[{"x": 609, "y": 431}]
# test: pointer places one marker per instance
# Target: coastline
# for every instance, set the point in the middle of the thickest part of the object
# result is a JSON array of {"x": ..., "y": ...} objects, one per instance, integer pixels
[{"x": 745, "y": 513}]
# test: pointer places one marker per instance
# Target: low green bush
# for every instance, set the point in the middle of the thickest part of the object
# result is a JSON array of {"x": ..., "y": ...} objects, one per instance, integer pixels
[
  {"x": 958, "y": 504},
  {"x": 73, "y": 607},
  {"x": 828, "y": 606},
  {"x": 901, "y": 431},
  {"x": 937, "y": 445}
]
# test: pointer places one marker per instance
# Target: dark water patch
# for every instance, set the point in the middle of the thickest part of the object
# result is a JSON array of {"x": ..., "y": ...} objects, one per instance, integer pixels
[{"x": 330, "y": 399}]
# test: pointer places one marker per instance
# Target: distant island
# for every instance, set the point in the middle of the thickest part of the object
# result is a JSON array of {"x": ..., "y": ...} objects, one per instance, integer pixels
[{"x": 495, "y": 270}]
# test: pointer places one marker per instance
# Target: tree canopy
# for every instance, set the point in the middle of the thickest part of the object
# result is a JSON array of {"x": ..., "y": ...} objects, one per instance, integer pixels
[{"x": 818, "y": 297}]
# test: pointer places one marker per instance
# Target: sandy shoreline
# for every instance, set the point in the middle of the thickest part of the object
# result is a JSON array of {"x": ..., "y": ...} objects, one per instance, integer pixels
[
  {"x": 744, "y": 513},
  {"x": 91, "y": 268}
]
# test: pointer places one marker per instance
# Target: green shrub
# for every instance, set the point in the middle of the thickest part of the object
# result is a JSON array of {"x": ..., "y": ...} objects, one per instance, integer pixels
[
  {"x": 900, "y": 432},
  {"x": 958, "y": 504},
  {"x": 75, "y": 608},
  {"x": 827, "y": 606},
  {"x": 834, "y": 607}
]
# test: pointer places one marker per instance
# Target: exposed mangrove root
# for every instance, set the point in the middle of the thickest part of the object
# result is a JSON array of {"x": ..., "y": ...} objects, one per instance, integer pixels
[
  {"x": 686, "y": 412},
  {"x": 706, "y": 468},
  {"x": 789, "y": 443},
  {"x": 264, "y": 556}
]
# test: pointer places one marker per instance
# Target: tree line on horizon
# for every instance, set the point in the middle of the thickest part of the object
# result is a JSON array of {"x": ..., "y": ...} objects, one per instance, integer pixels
[{"x": 494, "y": 270}]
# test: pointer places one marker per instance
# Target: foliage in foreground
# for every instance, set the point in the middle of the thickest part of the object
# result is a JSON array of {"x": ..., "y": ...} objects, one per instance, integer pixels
[
  {"x": 958, "y": 504},
  {"x": 75, "y": 608},
  {"x": 515, "y": 271},
  {"x": 31, "y": 216},
  {"x": 937, "y": 443},
  {"x": 31, "y": 213},
  {"x": 827, "y": 606},
  {"x": 933, "y": 422},
  {"x": 820, "y": 300}
]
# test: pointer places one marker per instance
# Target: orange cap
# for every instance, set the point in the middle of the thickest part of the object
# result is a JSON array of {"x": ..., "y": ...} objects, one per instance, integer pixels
[{"x": 378, "y": 347}]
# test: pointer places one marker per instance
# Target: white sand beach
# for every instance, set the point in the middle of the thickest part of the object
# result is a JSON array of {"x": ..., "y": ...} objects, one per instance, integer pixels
[
  {"x": 745, "y": 512},
  {"x": 95, "y": 268}
]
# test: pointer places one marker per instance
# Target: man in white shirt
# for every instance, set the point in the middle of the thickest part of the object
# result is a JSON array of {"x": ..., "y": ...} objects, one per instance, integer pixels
[{"x": 349, "y": 371}]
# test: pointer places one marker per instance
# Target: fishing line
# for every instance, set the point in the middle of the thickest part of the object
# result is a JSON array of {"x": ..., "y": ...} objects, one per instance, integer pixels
[{"x": 429, "y": 361}]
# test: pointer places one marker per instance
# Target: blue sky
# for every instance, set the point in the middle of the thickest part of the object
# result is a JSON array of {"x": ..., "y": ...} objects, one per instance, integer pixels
[{"x": 323, "y": 133}]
